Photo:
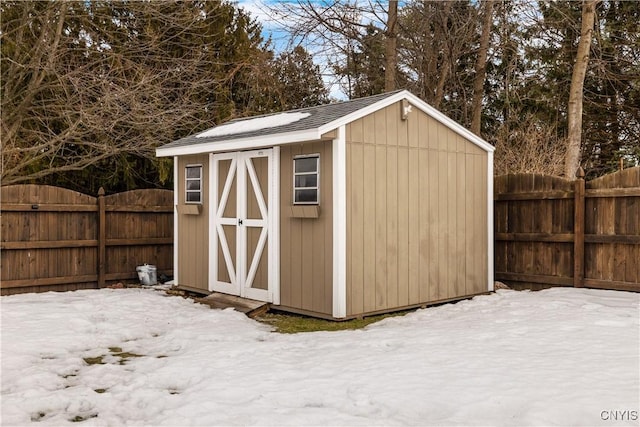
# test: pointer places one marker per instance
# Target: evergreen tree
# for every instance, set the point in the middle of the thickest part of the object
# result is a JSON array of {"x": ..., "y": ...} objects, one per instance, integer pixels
[
  {"x": 298, "y": 80},
  {"x": 611, "y": 113},
  {"x": 363, "y": 69},
  {"x": 438, "y": 45},
  {"x": 612, "y": 91}
]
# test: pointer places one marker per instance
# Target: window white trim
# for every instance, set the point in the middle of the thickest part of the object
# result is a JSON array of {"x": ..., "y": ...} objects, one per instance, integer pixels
[
  {"x": 316, "y": 173},
  {"x": 200, "y": 179},
  {"x": 339, "y": 151}
]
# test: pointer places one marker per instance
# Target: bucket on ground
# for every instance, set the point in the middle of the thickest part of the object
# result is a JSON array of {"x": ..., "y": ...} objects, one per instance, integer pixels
[{"x": 147, "y": 274}]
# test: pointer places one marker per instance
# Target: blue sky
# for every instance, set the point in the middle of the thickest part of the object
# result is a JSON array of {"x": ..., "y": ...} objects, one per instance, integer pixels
[
  {"x": 258, "y": 9},
  {"x": 281, "y": 39}
]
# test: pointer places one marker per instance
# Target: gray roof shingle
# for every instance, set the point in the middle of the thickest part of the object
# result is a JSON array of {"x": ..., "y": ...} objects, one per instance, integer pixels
[{"x": 318, "y": 116}]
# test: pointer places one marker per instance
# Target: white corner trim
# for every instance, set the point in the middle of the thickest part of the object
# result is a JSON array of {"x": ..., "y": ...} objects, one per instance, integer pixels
[
  {"x": 490, "y": 235},
  {"x": 339, "y": 150},
  {"x": 175, "y": 220},
  {"x": 274, "y": 239}
]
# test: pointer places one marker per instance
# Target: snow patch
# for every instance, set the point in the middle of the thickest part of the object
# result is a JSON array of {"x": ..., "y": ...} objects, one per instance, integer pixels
[
  {"x": 250, "y": 125},
  {"x": 138, "y": 357}
]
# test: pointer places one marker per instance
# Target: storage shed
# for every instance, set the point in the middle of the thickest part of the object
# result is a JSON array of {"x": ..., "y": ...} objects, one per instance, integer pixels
[{"x": 336, "y": 211}]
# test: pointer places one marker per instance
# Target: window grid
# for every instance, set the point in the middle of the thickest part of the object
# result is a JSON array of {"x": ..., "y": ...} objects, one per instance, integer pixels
[
  {"x": 298, "y": 191},
  {"x": 193, "y": 184}
]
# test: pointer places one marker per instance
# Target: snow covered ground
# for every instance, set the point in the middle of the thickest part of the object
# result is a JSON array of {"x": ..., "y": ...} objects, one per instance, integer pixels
[{"x": 555, "y": 357}]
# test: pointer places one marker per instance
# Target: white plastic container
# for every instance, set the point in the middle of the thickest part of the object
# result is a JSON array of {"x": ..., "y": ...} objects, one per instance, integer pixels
[{"x": 147, "y": 274}]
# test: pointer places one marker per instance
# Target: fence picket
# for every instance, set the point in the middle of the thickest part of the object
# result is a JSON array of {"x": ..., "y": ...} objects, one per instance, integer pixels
[
  {"x": 55, "y": 239},
  {"x": 578, "y": 227},
  {"x": 595, "y": 232}
]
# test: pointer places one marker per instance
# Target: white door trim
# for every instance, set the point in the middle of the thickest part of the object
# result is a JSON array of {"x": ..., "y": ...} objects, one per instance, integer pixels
[{"x": 243, "y": 273}]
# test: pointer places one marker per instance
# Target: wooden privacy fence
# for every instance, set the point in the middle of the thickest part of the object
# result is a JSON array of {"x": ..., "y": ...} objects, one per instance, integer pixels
[
  {"x": 552, "y": 231},
  {"x": 57, "y": 239}
]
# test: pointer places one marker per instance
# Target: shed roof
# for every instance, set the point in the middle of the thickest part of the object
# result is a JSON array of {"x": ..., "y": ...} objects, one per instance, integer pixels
[{"x": 305, "y": 124}]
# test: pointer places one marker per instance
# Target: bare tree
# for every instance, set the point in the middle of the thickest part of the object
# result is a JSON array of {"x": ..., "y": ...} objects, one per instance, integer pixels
[
  {"x": 574, "y": 111},
  {"x": 434, "y": 37},
  {"x": 481, "y": 67},
  {"x": 391, "y": 50},
  {"x": 423, "y": 46},
  {"x": 531, "y": 146},
  {"x": 87, "y": 81},
  {"x": 335, "y": 32}
]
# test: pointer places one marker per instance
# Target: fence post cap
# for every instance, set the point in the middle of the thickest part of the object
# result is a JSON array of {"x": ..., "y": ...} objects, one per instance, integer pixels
[
  {"x": 580, "y": 173},
  {"x": 101, "y": 191}
]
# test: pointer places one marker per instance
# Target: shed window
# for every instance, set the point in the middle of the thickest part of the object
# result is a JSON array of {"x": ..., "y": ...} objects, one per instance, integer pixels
[
  {"x": 306, "y": 180},
  {"x": 193, "y": 184}
]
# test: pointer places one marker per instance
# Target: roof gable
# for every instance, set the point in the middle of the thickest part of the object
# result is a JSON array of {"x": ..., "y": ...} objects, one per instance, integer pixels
[{"x": 309, "y": 124}]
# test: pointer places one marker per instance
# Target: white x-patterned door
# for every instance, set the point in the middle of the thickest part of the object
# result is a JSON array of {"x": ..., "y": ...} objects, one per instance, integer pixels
[{"x": 243, "y": 224}]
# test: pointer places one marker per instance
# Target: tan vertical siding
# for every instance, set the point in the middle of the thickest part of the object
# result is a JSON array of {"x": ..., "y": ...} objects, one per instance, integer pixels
[
  {"x": 230, "y": 212},
  {"x": 193, "y": 230},
  {"x": 306, "y": 244},
  {"x": 403, "y": 226},
  {"x": 380, "y": 219},
  {"x": 261, "y": 279},
  {"x": 432, "y": 226},
  {"x": 413, "y": 225},
  {"x": 368, "y": 268},
  {"x": 355, "y": 197},
  {"x": 476, "y": 253},
  {"x": 416, "y": 214}
]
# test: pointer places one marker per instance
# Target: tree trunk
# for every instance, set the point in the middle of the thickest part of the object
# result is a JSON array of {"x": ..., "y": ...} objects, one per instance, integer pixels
[
  {"x": 574, "y": 112},
  {"x": 440, "y": 32},
  {"x": 481, "y": 68},
  {"x": 391, "y": 51}
]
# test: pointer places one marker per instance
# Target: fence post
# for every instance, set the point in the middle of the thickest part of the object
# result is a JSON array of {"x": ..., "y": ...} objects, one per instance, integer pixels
[
  {"x": 102, "y": 239},
  {"x": 578, "y": 230}
]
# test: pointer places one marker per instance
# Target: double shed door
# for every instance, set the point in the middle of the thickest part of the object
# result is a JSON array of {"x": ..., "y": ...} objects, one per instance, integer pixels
[{"x": 244, "y": 224}]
